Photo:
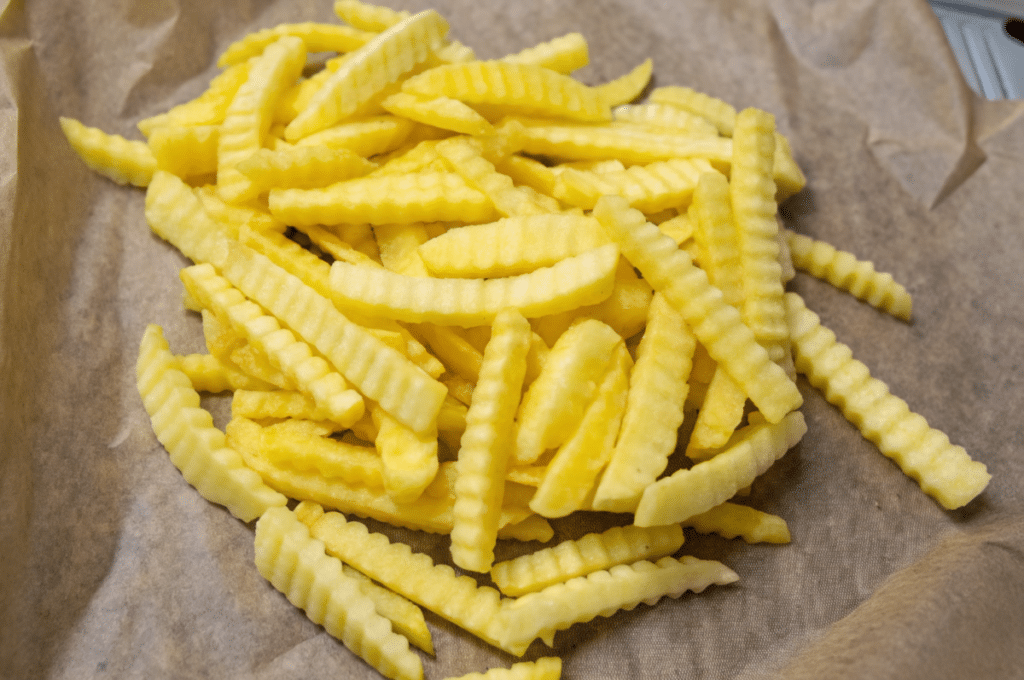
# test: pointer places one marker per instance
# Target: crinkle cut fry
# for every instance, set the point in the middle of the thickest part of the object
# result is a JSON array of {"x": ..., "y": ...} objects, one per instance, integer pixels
[
  {"x": 316, "y": 37},
  {"x": 717, "y": 325},
  {"x": 122, "y": 160},
  {"x": 458, "y": 599},
  {"x": 379, "y": 372},
  {"x": 689, "y": 492},
  {"x": 544, "y": 668},
  {"x": 196, "y": 447},
  {"x": 844, "y": 271},
  {"x": 730, "y": 520},
  {"x": 299, "y": 567},
  {"x": 602, "y": 593},
  {"x": 563, "y": 54},
  {"x": 485, "y": 447},
  {"x": 593, "y": 552},
  {"x": 581, "y": 280},
  {"x": 943, "y": 470},
  {"x": 372, "y": 67}
]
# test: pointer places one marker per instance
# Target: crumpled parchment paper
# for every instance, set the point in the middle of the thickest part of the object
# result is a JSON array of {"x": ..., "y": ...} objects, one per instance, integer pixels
[{"x": 111, "y": 566}]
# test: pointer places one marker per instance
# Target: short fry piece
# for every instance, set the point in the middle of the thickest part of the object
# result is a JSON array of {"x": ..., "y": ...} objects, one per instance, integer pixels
[
  {"x": 316, "y": 37},
  {"x": 298, "y": 566},
  {"x": 545, "y": 668},
  {"x": 689, "y": 492},
  {"x": 195, "y": 446},
  {"x": 628, "y": 87},
  {"x": 943, "y": 470},
  {"x": 730, "y": 520},
  {"x": 113, "y": 156},
  {"x": 563, "y": 54},
  {"x": 593, "y": 552},
  {"x": 409, "y": 458}
]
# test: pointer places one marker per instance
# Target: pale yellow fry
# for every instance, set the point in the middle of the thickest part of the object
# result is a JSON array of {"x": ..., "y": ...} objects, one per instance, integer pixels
[
  {"x": 454, "y": 351},
  {"x": 511, "y": 246},
  {"x": 366, "y": 137},
  {"x": 654, "y": 409},
  {"x": 573, "y": 282},
  {"x": 384, "y": 199},
  {"x": 197, "y": 448},
  {"x": 177, "y": 215},
  {"x": 441, "y": 112},
  {"x": 730, "y": 520},
  {"x": 943, "y": 470},
  {"x": 206, "y": 109},
  {"x": 379, "y": 372},
  {"x": 718, "y": 112},
  {"x": 466, "y": 157},
  {"x": 298, "y": 566},
  {"x": 235, "y": 218},
  {"x": 593, "y": 552},
  {"x": 366, "y": 16},
  {"x": 628, "y": 87},
  {"x": 257, "y": 404},
  {"x": 721, "y": 412},
  {"x": 458, "y": 599},
  {"x": 374, "y": 66},
  {"x": 529, "y": 172},
  {"x": 555, "y": 402},
  {"x": 336, "y": 247},
  {"x": 716, "y": 324},
  {"x": 289, "y": 444},
  {"x": 398, "y": 246},
  {"x": 844, "y": 271},
  {"x": 574, "y": 469},
  {"x": 649, "y": 188},
  {"x": 563, "y": 54},
  {"x": 248, "y": 118},
  {"x": 302, "y": 167},
  {"x": 185, "y": 150},
  {"x": 533, "y": 528},
  {"x": 207, "y": 373},
  {"x": 409, "y": 458},
  {"x": 486, "y": 443},
  {"x": 665, "y": 116},
  {"x": 514, "y": 87},
  {"x": 689, "y": 492},
  {"x": 545, "y": 668},
  {"x": 602, "y": 593},
  {"x": 316, "y": 37},
  {"x": 113, "y": 156},
  {"x": 716, "y": 236}
]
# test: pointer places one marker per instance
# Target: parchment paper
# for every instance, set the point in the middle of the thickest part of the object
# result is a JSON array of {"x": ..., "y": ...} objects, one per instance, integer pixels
[{"x": 112, "y": 566}]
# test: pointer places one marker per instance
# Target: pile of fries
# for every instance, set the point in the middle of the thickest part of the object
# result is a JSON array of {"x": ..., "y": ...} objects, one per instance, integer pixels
[{"x": 466, "y": 297}]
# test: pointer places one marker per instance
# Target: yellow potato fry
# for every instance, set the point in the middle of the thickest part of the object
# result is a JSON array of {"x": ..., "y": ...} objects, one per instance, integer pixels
[
  {"x": 372, "y": 67},
  {"x": 486, "y": 443},
  {"x": 441, "y": 112},
  {"x": 721, "y": 412},
  {"x": 573, "y": 282},
  {"x": 298, "y": 566},
  {"x": 654, "y": 409},
  {"x": 177, "y": 215},
  {"x": 263, "y": 404},
  {"x": 196, "y": 447},
  {"x": 236, "y": 218},
  {"x": 555, "y": 402},
  {"x": 569, "y": 559},
  {"x": 113, "y": 156},
  {"x": 545, "y": 668},
  {"x": 529, "y": 172},
  {"x": 286, "y": 445},
  {"x": 602, "y": 593},
  {"x": 628, "y": 87},
  {"x": 574, "y": 469},
  {"x": 689, "y": 492},
  {"x": 207, "y": 373},
  {"x": 716, "y": 324},
  {"x": 511, "y": 246},
  {"x": 367, "y": 17},
  {"x": 943, "y": 470},
  {"x": 315, "y": 37},
  {"x": 365, "y": 137},
  {"x": 338, "y": 248},
  {"x": 665, "y": 116},
  {"x": 298, "y": 362},
  {"x": 753, "y": 205},
  {"x": 649, "y": 188},
  {"x": 185, "y": 150},
  {"x": 844, "y": 271},
  {"x": 379, "y": 372},
  {"x": 679, "y": 228},
  {"x": 384, "y": 199},
  {"x": 250, "y": 114},
  {"x": 533, "y": 528},
  {"x": 563, "y": 54},
  {"x": 515, "y": 87},
  {"x": 302, "y": 167},
  {"x": 458, "y": 599},
  {"x": 629, "y": 145},
  {"x": 208, "y": 108},
  {"x": 466, "y": 158},
  {"x": 409, "y": 458},
  {"x": 398, "y": 244},
  {"x": 454, "y": 351},
  {"x": 730, "y": 520}
]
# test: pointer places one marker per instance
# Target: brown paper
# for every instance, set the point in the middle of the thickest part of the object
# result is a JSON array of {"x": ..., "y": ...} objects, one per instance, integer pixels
[{"x": 112, "y": 566}]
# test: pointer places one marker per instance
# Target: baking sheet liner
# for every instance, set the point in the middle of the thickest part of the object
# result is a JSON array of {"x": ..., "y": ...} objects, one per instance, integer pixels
[{"x": 111, "y": 566}]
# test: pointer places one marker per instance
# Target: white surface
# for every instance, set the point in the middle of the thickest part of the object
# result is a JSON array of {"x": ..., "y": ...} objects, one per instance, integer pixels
[{"x": 991, "y": 60}]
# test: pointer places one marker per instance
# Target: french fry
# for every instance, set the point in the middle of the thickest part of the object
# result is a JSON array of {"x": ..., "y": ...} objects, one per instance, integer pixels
[
  {"x": 545, "y": 668},
  {"x": 122, "y": 160},
  {"x": 730, "y": 520},
  {"x": 563, "y": 54}
]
